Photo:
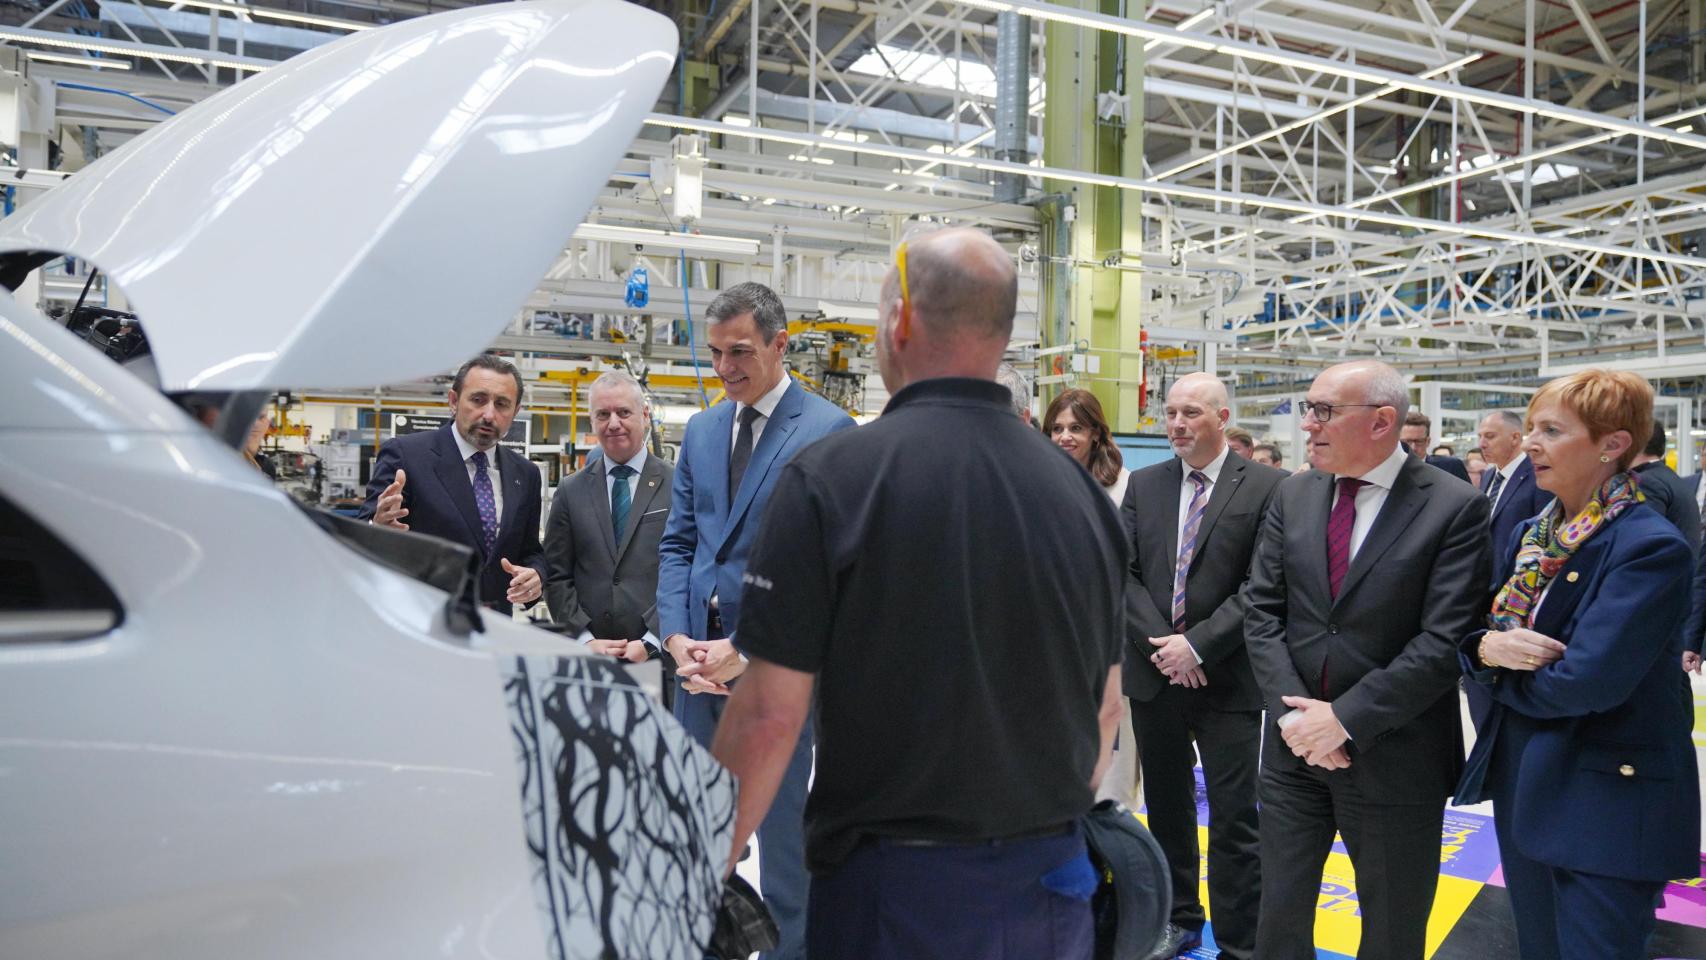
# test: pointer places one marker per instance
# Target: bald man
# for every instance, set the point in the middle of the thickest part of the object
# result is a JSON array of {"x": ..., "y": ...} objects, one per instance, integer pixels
[
  {"x": 1193, "y": 522},
  {"x": 955, "y": 753},
  {"x": 1370, "y": 570}
]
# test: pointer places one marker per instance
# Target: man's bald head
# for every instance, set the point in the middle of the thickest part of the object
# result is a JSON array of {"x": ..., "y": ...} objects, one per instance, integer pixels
[
  {"x": 961, "y": 284},
  {"x": 1205, "y": 388},
  {"x": 1196, "y": 418}
]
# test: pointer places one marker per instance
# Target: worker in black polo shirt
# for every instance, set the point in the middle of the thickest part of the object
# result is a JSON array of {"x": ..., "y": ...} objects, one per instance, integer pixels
[{"x": 951, "y": 585}]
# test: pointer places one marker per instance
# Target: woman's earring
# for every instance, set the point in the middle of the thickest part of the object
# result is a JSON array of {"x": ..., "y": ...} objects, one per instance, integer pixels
[{"x": 1604, "y": 459}]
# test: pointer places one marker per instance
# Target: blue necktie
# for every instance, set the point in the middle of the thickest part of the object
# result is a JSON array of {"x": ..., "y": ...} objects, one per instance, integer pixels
[
  {"x": 620, "y": 499},
  {"x": 487, "y": 504}
]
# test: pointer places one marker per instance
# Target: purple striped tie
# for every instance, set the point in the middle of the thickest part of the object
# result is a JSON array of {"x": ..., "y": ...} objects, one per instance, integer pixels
[
  {"x": 1339, "y": 524},
  {"x": 487, "y": 504},
  {"x": 1188, "y": 545}
]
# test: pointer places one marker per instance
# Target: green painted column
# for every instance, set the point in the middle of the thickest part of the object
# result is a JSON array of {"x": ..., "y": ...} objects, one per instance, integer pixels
[{"x": 1082, "y": 301}]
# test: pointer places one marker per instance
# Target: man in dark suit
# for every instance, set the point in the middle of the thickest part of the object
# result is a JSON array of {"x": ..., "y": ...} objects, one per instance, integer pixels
[
  {"x": 458, "y": 483},
  {"x": 1370, "y": 569},
  {"x": 730, "y": 458},
  {"x": 1187, "y": 673},
  {"x": 1509, "y": 480},
  {"x": 1670, "y": 494},
  {"x": 1417, "y": 433},
  {"x": 601, "y": 537}
]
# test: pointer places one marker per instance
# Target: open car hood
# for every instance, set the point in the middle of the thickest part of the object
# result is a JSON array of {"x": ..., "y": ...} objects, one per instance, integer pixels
[{"x": 371, "y": 211}]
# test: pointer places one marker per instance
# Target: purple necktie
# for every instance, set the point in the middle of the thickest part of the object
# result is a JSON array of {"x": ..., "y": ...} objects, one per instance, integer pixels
[
  {"x": 1188, "y": 545},
  {"x": 1339, "y": 524},
  {"x": 487, "y": 504}
]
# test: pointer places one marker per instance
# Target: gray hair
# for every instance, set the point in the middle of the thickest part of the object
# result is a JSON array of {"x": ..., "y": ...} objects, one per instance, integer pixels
[
  {"x": 754, "y": 298},
  {"x": 1511, "y": 421},
  {"x": 613, "y": 379},
  {"x": 1009, "y": 376},
  {"x": 1387, "y": 388}
]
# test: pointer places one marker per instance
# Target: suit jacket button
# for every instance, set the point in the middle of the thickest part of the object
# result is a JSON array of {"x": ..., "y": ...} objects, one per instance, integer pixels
[
  {"x": 616, "y": 581},
  {"x": 1626, "y": 770},
  {"x": 1333, "y": 629},
  {"x": 1573, "y": 577}
]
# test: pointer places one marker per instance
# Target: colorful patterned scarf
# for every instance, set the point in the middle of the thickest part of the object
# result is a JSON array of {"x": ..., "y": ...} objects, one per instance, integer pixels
[{"x": 1550, "y": 544}]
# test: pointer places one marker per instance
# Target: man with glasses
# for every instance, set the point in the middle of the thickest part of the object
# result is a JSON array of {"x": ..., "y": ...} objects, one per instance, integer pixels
[
  {"x": 1371, "y": 569},
  {"x": 966, "y": 703},
  {"x": 730, "y": 458}
]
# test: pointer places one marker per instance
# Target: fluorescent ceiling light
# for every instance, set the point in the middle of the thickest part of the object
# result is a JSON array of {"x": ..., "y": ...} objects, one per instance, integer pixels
[
  {"x": 1309, "y": 211},
  {"x": 270, "y": 13},
  {"x": 664, "y": 240},
  {"x": 109, "y": 63},
  {"x": 1184, "y": 24},
  {"x": 70, "y": 41},
  {"x": 803, "y": 158}
]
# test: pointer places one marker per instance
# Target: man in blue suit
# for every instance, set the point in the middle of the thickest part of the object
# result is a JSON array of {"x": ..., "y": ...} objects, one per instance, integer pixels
[
  {"x": 730, "y": 458},
  {"x": 458, "y": 483}
]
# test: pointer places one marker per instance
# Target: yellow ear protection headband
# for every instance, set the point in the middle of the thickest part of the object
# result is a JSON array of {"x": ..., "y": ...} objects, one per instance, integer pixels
[{"x": 905, "y": 327}]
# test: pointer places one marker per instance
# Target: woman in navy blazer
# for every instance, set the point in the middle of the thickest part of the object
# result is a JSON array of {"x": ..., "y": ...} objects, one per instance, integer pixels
[{"x": 1587, "y": 753}]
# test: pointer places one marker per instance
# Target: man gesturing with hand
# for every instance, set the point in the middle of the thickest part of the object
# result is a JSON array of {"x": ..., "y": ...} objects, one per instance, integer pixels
[{"x": 459, "y": 483}]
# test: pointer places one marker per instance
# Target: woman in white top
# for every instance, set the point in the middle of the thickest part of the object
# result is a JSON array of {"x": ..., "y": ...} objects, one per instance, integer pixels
[{"x": 1075, "y": 423}]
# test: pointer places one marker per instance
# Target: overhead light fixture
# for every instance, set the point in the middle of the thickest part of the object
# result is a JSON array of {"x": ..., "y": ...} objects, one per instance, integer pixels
[
  {"x": 1308, "y": 211},
  {"x": 270, "y": 13},
  {"x": 1184, "y": 24},
  {"x": 69, "y": 41},
  {"x": 665, "y": 240},
  {"x": 1327, "y": 114},
  {"x": 104, "y": 62}
]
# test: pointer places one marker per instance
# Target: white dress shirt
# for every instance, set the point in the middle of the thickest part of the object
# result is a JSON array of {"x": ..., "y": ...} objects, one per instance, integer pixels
[
  {"x": 467, "y": 450},
  {"x": 1188, "y": 489},
  {"x": 1377, "y": 484},
  {"x": 766, "y": 406},
  {"x": 1507, "y": 471}
]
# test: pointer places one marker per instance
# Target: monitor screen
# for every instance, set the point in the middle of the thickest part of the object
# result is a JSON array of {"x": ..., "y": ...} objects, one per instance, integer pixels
[{"x": 1143, "y": 449}]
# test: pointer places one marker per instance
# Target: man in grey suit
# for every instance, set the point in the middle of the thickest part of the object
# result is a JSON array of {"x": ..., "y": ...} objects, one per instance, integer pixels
[
  {"x": 1370, "y": 570},
  {"x": 601, "y": 539}
]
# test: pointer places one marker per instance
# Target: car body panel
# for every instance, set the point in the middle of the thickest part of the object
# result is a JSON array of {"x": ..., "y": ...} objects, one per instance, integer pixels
[{"x": 371, "y": 211}]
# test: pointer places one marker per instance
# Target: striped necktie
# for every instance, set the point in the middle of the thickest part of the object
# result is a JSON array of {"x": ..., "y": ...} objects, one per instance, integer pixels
[{"x": 1188, "y": 545}]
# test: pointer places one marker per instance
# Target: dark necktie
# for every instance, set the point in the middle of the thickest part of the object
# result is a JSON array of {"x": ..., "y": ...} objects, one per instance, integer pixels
[
  {"x": 1188, "y": 545},
  {"x": 1339, "y": 524},
  {"x": 487, "y": 504},
  {"x": 620, "y": 499},
  {"x": 1493, "y": 487},
  {"x": 742, "y": 453}
]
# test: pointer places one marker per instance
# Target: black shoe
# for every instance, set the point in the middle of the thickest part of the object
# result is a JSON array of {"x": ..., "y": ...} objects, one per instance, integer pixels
[{"x": 1177, "y": 941}]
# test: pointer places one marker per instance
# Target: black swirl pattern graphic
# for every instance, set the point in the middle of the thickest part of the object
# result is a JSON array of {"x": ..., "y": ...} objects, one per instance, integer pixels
[{"x": 628, "y": 819}]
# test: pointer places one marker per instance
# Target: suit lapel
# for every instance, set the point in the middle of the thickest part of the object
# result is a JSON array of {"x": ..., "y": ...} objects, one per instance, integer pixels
[
  {"x": 513, "y": 475},
  {"x": 453, "y": 474},
  {"x": 1566, "y": 589},
  {"x": 777, "y": 430},
  {"x": 644, "y": 491},
  {"x": 597, "y": 494},
  {"x": 1406, "y": 499},
  {"x": 1173, "y": 477},
  {"x": 1319, "y": 504},
  {"x": 722, "y": 442},
  {"x": 1224, "y": 489}
]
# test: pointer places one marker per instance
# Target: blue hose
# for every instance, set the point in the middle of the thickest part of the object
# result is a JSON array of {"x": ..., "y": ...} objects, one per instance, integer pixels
[{"x": 117, "y": 93}]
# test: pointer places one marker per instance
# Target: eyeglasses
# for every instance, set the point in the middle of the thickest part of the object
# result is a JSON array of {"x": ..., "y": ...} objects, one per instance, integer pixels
[
  {"x": 905, "y": 327},
  {"x": 1324, "y": 411}
]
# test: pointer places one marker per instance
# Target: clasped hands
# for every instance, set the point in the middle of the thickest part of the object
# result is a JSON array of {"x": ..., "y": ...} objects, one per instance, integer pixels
[
  {"x": 1314, "y": 733},
  {"x": 1177, "y": 662},
  {"x": 705, "y": 666},
  {"x": 1519, "y": 649}
]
